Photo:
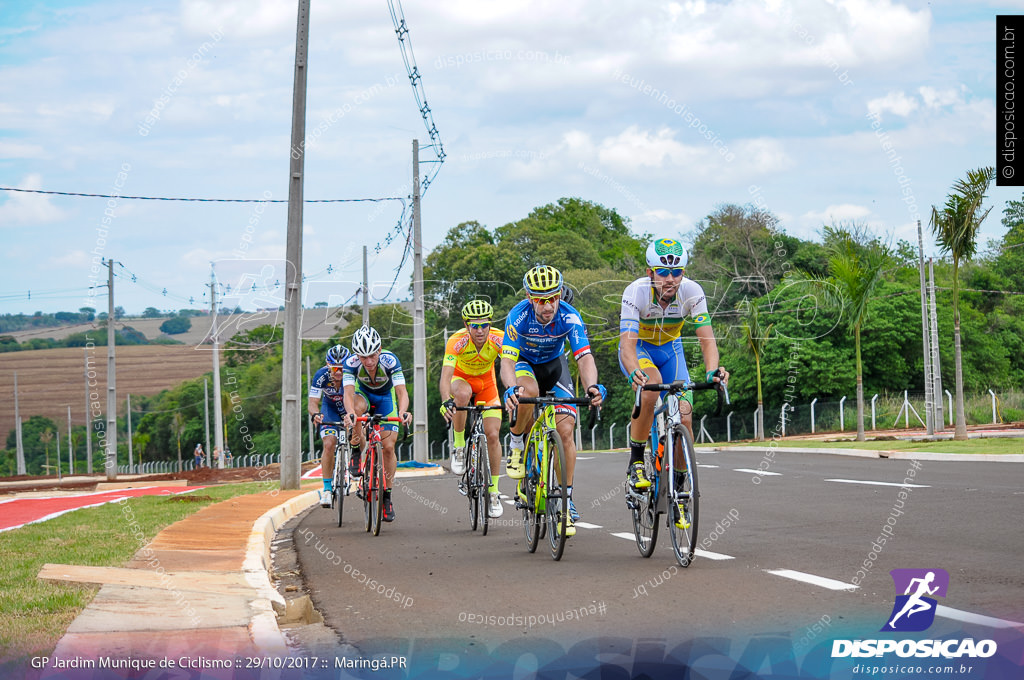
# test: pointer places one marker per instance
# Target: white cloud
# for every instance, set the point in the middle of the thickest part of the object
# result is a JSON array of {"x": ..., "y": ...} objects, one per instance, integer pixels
[
  {"x": 895, "y": 102},
  {"x": 26, "y": 208},
  {"x": 634, "y": 149},
  {"x": 20, "y": 150},
  {"x": 845, "y": 212},
  {"x": 935, "y": 98}
]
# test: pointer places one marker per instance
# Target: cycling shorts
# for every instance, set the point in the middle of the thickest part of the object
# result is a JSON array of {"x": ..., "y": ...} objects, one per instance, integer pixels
[
  {"x": 484, "y": 388},
  {"x": 551, "y": 376},
  {"x": 383, "y": 404},
  {"x": 667, "y": 358},
  {"x": 331, "y": 414}
]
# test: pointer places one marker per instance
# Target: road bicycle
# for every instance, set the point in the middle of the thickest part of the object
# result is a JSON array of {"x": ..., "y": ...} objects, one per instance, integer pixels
[
  {"x": 342, "y": 482},
  {"x": 663, "y": 496},
  {"x": 541, "y": 493},
  {"x": 372, "y": 482},
  {"x": 476, "y": 480}
]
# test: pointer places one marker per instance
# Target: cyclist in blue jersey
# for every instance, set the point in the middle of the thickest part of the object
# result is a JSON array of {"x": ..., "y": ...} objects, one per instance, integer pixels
[
  {"x": 374, "y": 383},
  {"x": 536, "y": 331},
  {"x": 326, "y": 403}
]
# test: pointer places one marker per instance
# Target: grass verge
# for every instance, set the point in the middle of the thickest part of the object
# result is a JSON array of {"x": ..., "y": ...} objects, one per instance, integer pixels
[
  {"x": 35, "y": 614},
  {"x": 997, "y": 445}
]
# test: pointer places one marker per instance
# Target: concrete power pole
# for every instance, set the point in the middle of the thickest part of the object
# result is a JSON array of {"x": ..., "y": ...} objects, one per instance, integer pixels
[
  {"x": 71, "y": 449},
  {"x": 291, "y": 369},
  {"x": 206, "y": 417},
  {"x": 929, "y": 395},
  {"x": 89, "y": 420},
  {"x": 420, "y": 440},
  {"x": 110, "y": 457},
  {"x": 218, "y": 415},
  {"x": 366, "y": 292},
  {"x": 19, "y": 447},
  {"x": 936, "y": 372},
  {"x": 128, "y": 419}
]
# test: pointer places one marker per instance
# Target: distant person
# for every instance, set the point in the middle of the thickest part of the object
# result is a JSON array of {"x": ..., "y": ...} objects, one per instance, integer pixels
[
  {"x": 200, "y": 457},
  {"x": 228, "y": 457}
]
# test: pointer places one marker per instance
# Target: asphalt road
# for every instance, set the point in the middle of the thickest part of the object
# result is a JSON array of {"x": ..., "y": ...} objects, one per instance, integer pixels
[{"x": 815, "y": 516}]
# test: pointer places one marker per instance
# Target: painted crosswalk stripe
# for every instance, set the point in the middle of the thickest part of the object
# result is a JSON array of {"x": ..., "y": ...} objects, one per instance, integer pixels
[
  {"x": 707, "y": 554},
  {"x": 587, "y": 525},
  {"x": 820, "y": 581},
  {"x": 979, "y": 619},
  {"x": 758, "y": 472},
  {"x": 705, "y": 465},
  {"x": 862, "y": 481},
  {"x": 623, "y": 534}
]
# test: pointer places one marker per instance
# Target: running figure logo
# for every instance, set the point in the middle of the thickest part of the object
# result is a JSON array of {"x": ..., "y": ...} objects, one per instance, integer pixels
[{"x": 914, "y": 610}]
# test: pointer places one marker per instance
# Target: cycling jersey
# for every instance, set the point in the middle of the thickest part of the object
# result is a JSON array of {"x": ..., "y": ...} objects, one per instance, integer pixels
[
  {"x": 642, "y": 314},
  {"x": 527, "y": 340},
  {"x": 389, "y": 374},
  {"x": 461, "y": 353},
  {"x": 332, "y": 402}
]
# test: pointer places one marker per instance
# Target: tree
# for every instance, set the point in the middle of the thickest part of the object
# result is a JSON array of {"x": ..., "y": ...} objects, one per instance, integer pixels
[
  {"x": 151, "y": 313},
  {"x": 46, "y": 436},
  {"x": 755, "y": 337},
  {"x": 956, "y": 230},
  {"x": 118, "y": 313},
  {"x": 856, "y": 265},
  {"x": 178, "y": 428},
  {"x": 176, "y": 325}
]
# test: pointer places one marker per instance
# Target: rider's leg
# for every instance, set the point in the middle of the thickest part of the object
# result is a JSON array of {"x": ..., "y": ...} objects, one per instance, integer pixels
[
  {"x": 492, "y": 430},
  {"x": 461, "y": 393},
  {"x": 387, "y": 440},
  {"x": 327, "y": 461}
]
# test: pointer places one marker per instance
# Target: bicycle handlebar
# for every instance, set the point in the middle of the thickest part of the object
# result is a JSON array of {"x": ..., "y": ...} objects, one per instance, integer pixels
[
  {"x": 677, "y": 386},
  {"x": 476, "y": 407},
  {"x": 552, "y": 401}
]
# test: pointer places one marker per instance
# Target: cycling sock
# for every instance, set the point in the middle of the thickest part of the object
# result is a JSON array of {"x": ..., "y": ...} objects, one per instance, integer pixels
[
  {"x": 516, "y": 441},
  {"x": 494, "y": 484},
  {"x": 568, "y": 491},
  {"x": 327, "y": 484},
  {"x": 460, "y": 439},
  {"x": 636, "y": 451}
]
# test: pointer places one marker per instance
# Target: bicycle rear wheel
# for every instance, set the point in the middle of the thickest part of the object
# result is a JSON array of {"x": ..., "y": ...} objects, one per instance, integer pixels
[
  {"x": 684, "y": 539},
  {"x": 643, "y": 505},
  {"x": 366, "y": 484},
  {"x": 557, "y": 496},
  {"x": 378, "y": 488},
  {"x": 340, "y": 481},
  {"x": 529, "y": 484},
  {"x": 483, "y": 480},
  {"x": 469, "y": 479}
]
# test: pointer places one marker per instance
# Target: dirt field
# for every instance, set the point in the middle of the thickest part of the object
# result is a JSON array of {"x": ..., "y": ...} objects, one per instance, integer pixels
[{"x": 52, "y": 379}]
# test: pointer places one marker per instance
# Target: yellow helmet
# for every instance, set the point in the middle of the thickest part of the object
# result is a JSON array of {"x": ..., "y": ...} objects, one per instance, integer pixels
[
  {"x": 542, "y": 280},
  {"x": 476, "y": 310}
]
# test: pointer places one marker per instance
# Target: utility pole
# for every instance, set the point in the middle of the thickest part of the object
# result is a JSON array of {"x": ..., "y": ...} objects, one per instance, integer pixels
[
  {"x": 366, "y": 292},
  {"x": 60, "y": 476},
  {"x": 929, "y": 395},
  {"x": 936, "y": 372},
  {"x": 309, "y": 421},
  {"x": 71, "y": 448},
  {"x": 110, "y": 457},
  {"x": 128, "y": 416},
  {"x": 89, "y": 420},
  {"x": 291, "y": 369},
  {"x": 218, "y": 415},
  {"x": 206, "y": 417},
  {"x": 19, "y": 447},
  {"x": 419, "y": 345}
]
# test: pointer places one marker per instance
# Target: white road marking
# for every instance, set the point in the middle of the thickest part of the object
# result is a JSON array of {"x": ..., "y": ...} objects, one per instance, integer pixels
[
  {"x": 712, "y": 555},
  {"x": 623, "y": 534},
  {"x": 706, "y": 465},
  {"x": 587, "y": 525},
  {"x": 820, "y": 581},
  {"x": 584, "y": 458},
  {"x": 979, "y": 619},
  {"x": 758, "y": 472},
  {"x": 861, "y": 481}
]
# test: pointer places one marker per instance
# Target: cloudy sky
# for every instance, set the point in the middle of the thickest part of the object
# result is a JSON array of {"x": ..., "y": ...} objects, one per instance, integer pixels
[{"x": 817, "y": 110}]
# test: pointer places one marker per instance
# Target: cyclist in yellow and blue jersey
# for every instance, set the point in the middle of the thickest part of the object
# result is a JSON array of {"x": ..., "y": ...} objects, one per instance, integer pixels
[
  {"x": 531, "y": 365},
  {"x": 467, "y": 373},
  {"x": 654, "y": 309}
]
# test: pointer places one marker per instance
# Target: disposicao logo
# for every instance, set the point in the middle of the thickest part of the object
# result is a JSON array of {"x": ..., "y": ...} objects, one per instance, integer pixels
[{"x": 914, "y": 611}]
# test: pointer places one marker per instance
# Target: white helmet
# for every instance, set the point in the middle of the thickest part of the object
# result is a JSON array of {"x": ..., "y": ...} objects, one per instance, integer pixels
[
  {"x": 365, "y": 341},
  {"x": 666, "y": 252}
]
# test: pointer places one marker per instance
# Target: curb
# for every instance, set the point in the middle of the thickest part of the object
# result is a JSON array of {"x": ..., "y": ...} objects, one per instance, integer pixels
[
  {"x": 896, "y": 455},
  {"x": 263, "y": 628}
]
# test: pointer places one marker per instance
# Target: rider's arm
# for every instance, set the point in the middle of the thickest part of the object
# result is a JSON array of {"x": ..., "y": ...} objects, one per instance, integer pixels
[
  {"x": 313, "y": 407},
  {"x": 349, "y": 399},
  {"x": 445, "y": 387},
  {"x": 402, "y": 396},
  {"x": 588, "y": 371},
  {"x": 708, "y": 347},
  {"x": 627, "y": 352}
]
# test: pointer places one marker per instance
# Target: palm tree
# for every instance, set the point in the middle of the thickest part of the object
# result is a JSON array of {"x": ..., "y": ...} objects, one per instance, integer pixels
[
  {"x": 46, "y": 436},
  {"x": 178, "y": 428},
  {"x": 956, "y": 230},
  {"x": 756, "y": 337},
  {"x": 855, "y": 268}
]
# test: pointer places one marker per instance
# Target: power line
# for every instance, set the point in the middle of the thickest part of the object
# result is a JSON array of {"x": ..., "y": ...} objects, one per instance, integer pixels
[{"x": 204, "y": 200}]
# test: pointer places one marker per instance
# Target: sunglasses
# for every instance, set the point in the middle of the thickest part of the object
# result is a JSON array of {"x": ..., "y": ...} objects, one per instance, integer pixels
[
  {"x": 665, "y": 271},
  {"x": 481, "y": 324},
  {"x": 335, "y": 369},
  {"x": 545, "y": 300}
]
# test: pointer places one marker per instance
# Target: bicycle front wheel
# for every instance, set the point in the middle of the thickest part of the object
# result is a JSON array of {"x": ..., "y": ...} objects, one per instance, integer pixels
[
  {"x": 643, "y": 505},
  {"x": 469, "y": 480},
  {"x": 528, "y": 490},
  {"x": 366, "y": 484},
  {"x": 340, "y": 481},
  {"x": 378, "y": 488},
  {"x": 557, "y": 496},
  {"x": 684, "y": 509},
  {"x": 483, "y": 480}
]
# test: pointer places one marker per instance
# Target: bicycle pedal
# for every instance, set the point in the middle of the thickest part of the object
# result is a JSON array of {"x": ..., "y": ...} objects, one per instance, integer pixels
[
  {"x": 631, "y": 503},
  {"x": 520, "y": 504},
  {"x": 462, "y": 489}
]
